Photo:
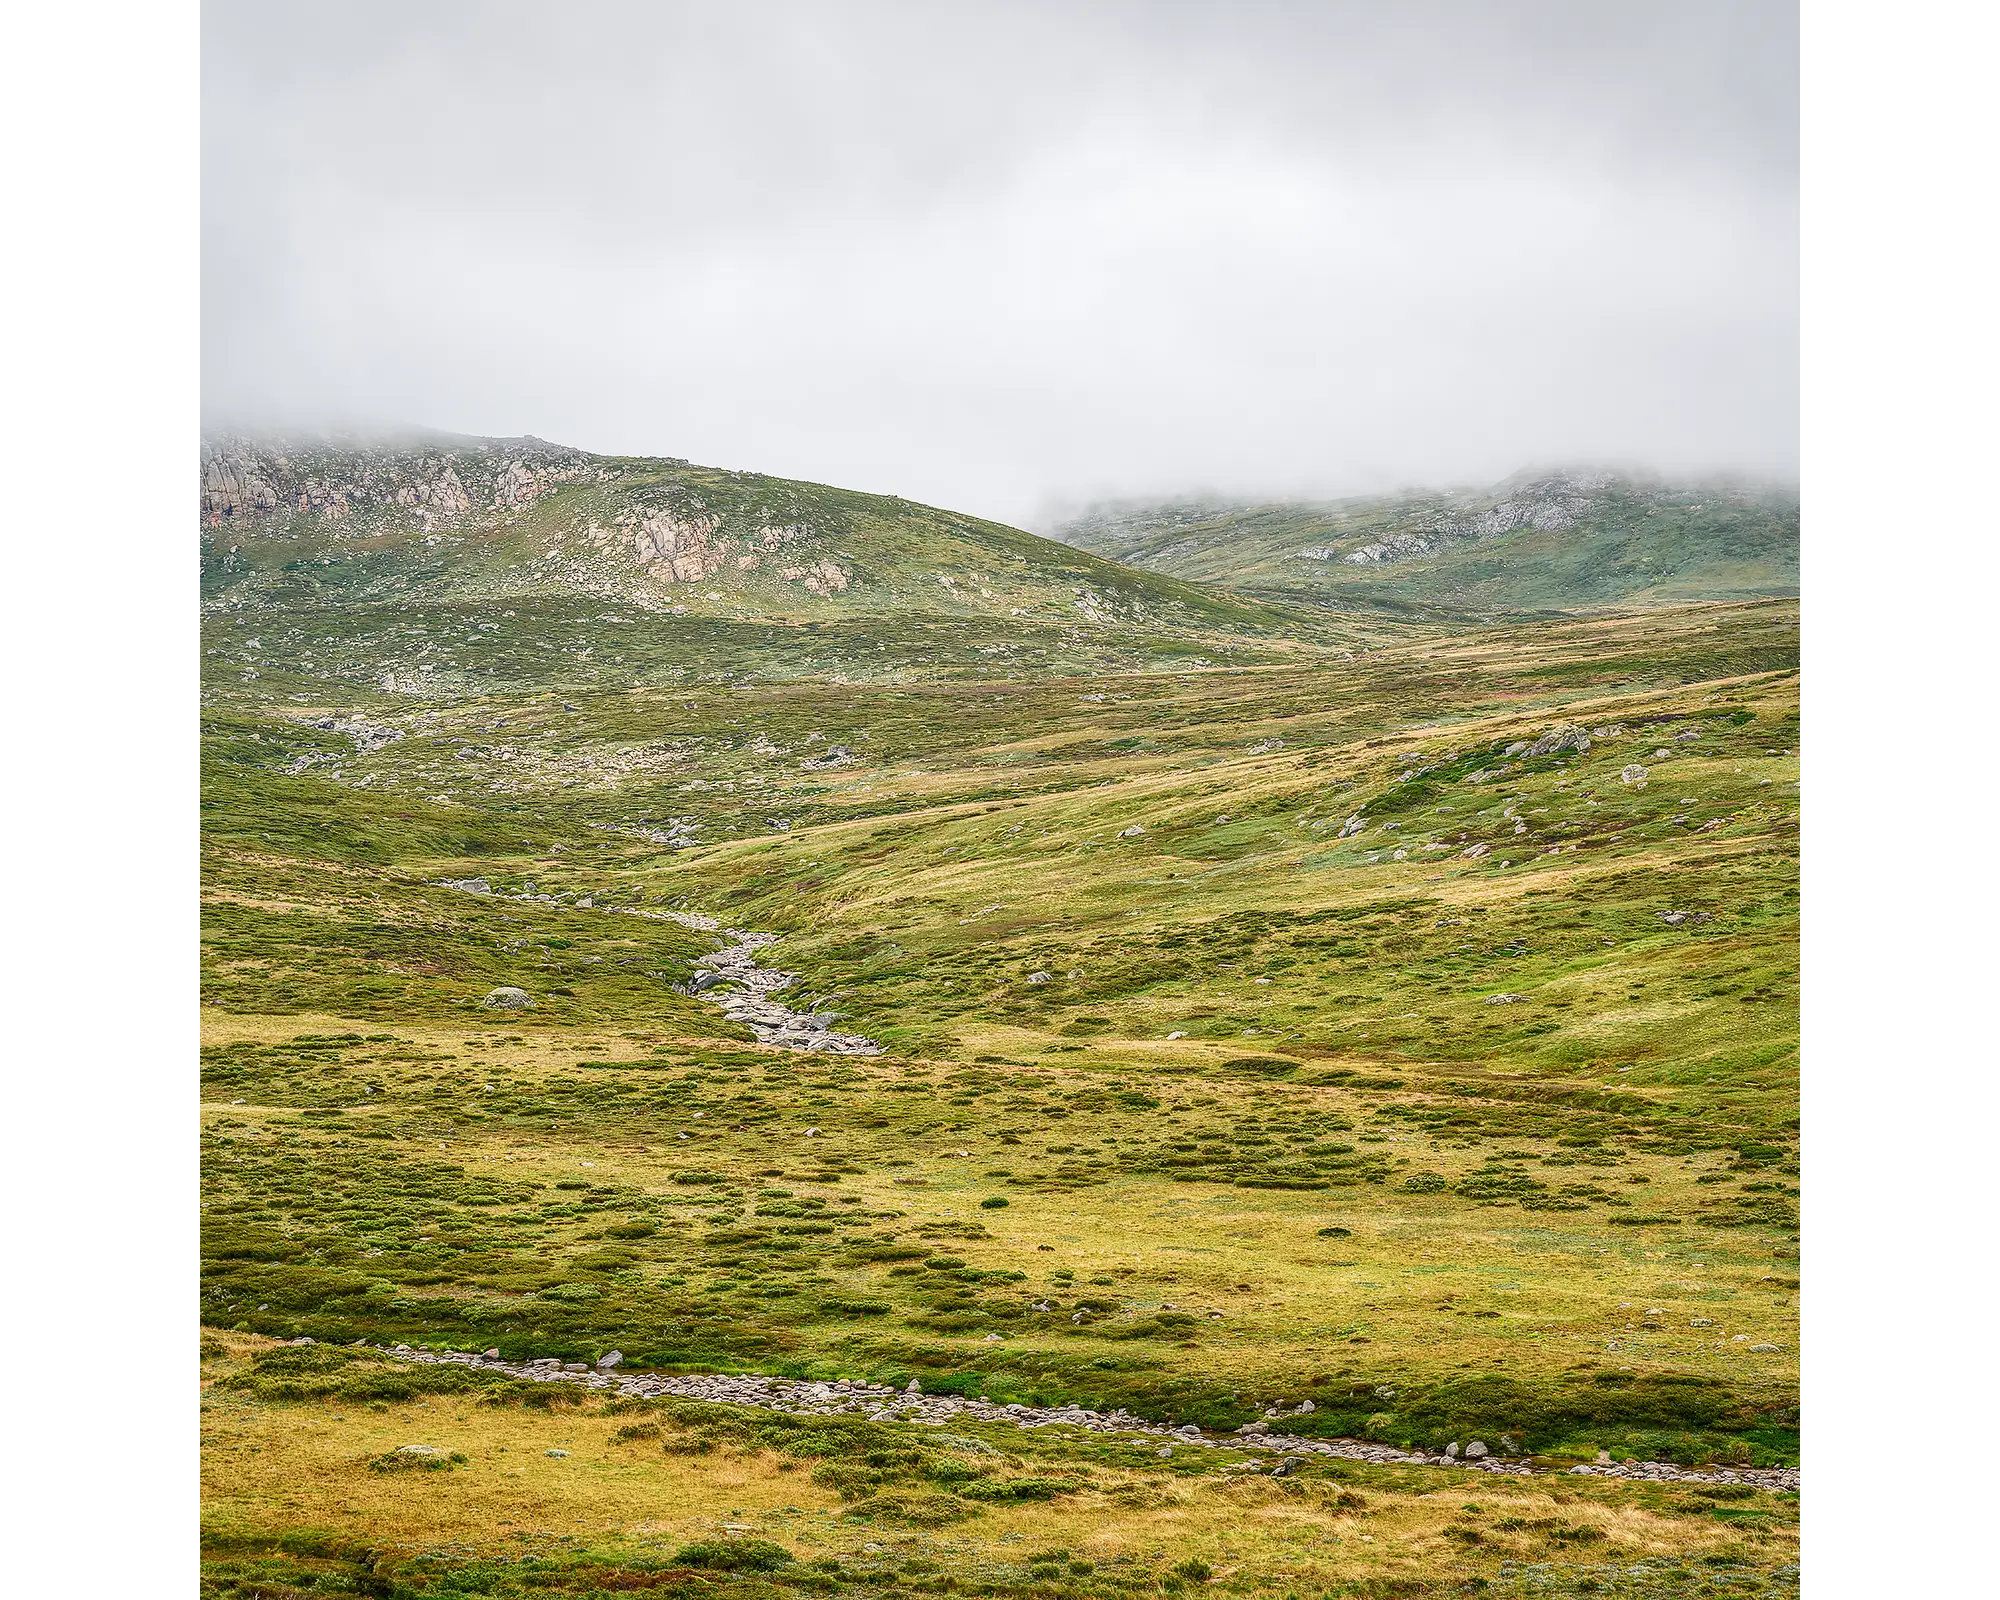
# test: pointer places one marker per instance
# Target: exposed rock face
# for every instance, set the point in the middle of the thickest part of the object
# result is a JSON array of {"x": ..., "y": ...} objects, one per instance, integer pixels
[
  {"x": 678, "y": 547},
  {"x": 443, "y": 498},
  {"x": 519, "y": 485},
  {"x": 685, "y": 547},
  {"x": 1559, "y": 739},
  {"x": 1397, "y": 547},
  {"x": 328, "y": 498},
  {"x": 339, "y": 479},
  {"x": 232, "y": 486},
  {"x": 1548, "y": 506},
  {"x": 822, "y": 577}
]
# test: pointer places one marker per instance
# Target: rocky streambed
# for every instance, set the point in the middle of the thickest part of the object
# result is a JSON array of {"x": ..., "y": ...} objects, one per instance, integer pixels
[
  {"x": 881, "y": 1403},
  {"x": 748, "y": 1000}
]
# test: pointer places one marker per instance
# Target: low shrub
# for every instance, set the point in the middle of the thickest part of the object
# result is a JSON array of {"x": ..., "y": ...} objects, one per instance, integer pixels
[
  {"x": 918, "y": 1510},
  {"x": 734, "y": 1555},
  {"x": 1011, "y": 1489},
  {"x": 416, "y": 1458}
]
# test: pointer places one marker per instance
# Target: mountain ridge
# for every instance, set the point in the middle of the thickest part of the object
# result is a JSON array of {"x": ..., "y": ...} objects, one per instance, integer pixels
[
  {"x": 396, "y": 555},
  {"x": 1539, "y": 540},
  {"x": 668, "y": 522}
]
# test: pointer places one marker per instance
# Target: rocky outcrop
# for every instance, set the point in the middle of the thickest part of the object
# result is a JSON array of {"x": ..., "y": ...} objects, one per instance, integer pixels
[
  {"x": 233, "y": 485},
  {"x": 439, "y": 478},
  {"x": 680, "y": 548},
  {"x": 443, "y": 498},
  {"x": 822, "y": 577},
  {"x": 1549, "y": 506},
  {"x": 1556, "y": 741},
  {"x": 1398, "y": 547}
]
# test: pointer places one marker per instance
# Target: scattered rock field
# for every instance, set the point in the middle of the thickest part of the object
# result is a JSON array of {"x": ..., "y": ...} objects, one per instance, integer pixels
[{"x": 880, "y": 1403}]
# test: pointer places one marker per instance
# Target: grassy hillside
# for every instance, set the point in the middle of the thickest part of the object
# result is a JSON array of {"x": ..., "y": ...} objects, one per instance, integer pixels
[
  {"x": 1282, "y": 1022},
  {"x": 431, "y": 564},
  {"x": 1534, "y": 543}
]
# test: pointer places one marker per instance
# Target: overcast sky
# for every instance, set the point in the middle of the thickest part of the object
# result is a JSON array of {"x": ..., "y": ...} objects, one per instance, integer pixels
[{"x": 1001, "y": 256}]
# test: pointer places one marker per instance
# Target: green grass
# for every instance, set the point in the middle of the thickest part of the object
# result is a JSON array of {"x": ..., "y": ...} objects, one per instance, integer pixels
[{"x": 1632, "y": 543}]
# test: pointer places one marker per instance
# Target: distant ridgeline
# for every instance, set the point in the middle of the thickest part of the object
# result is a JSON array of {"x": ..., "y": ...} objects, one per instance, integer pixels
[
  {"x": 650, "y": 555},
  {"x": 1539, "y": 541}
]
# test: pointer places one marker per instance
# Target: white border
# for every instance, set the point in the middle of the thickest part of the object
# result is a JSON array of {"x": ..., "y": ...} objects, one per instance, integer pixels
[
  {"x": 1900, "y": 427},
  {"x": 99, "y": 125}
]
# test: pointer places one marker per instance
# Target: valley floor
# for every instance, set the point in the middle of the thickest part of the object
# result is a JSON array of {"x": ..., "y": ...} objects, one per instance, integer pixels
[{"x": 1403, "y": 1044}]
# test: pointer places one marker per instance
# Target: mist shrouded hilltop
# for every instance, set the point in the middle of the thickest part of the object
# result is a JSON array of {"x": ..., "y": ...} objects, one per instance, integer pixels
[
  {"x": 425, "y": 562},
  {"x": 436, "y": 559},
  {"x": 1539, "y": 541},
  {"x": 442, "y": 514}
]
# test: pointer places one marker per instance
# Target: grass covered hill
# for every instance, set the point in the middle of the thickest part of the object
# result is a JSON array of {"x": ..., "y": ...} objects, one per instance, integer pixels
[
  {"x": 1538, "y": 542},
  {"x": 433, "y": 559}
]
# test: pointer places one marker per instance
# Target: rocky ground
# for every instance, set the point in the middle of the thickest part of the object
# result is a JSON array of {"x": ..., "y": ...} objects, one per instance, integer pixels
[
  {"x": 750, "y": 1002},
  {"x": 880, "y": 1403}
]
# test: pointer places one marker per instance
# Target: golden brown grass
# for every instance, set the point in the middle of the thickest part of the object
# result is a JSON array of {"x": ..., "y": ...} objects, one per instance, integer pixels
[{"x": 271, "y": 1468}]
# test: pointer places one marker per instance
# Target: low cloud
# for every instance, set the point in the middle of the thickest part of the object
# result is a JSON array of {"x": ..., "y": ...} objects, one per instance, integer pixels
[{"x": 997, "y": 256}]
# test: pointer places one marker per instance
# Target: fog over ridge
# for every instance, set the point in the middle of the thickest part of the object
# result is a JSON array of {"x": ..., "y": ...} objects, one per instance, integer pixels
[{"x": 1002, "y": 258}]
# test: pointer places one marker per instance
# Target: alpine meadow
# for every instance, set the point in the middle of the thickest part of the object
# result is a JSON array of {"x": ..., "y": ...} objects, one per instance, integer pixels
[{"x": 762, "y": 1040}]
